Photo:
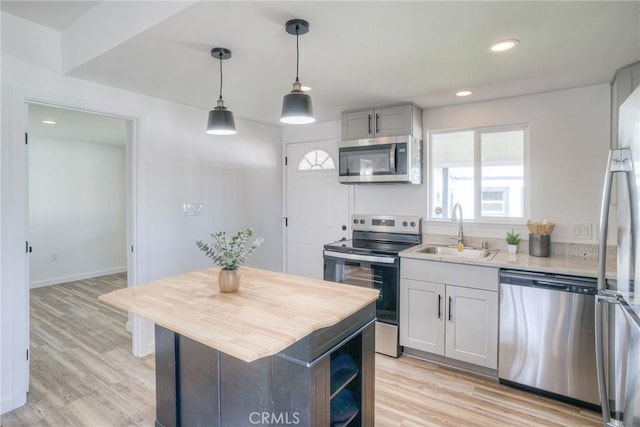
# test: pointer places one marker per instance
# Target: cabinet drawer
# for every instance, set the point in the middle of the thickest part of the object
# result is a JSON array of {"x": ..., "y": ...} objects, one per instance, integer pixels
[{"x": 469, "y": 276}]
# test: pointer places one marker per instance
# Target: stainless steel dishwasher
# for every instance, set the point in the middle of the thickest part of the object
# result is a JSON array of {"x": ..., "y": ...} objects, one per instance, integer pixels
[{"x": 547, "y": 335}]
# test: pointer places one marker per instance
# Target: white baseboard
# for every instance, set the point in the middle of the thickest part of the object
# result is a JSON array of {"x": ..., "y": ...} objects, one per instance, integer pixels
[
  {"x": 148, "y": 348},
  {"x": 10, "y": 403},
  {"x": 79, "y": 276}
]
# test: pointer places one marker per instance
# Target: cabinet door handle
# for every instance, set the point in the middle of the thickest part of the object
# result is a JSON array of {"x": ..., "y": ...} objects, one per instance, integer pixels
[
  {"x": 369, "y": 124},
  {"x": 377, "y": 123},
  {"x": 439, "y": 306},
  {"x": 450, "y": 302}
]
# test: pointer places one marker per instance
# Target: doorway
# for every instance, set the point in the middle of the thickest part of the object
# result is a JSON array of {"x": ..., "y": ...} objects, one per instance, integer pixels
[
  {"x": 79, "y": 198},
  {"x": 77, "y": 195},
  {"x": 317, "y": 206}
]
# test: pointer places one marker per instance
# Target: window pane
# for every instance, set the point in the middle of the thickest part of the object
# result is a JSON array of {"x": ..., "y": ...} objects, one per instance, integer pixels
[
  {"x": 502, "y": 157},
  {"x": 316, "y": 160},
  {"x": 452, "y": 174}
]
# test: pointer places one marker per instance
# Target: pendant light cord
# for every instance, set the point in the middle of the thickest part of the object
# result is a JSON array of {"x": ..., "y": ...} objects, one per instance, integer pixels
[
  {"x": 297, "y": 52},
  {"x": 220, "y": 59}
]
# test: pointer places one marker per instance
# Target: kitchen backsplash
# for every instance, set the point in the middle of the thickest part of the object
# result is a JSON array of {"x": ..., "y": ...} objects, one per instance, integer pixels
[{"x": 557, "y": 248}]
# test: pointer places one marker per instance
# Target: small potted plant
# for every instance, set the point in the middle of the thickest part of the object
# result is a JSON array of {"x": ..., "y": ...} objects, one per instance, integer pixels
[
  {"x": 230, "y": 255},
  {"x": 512, "y": 241}
]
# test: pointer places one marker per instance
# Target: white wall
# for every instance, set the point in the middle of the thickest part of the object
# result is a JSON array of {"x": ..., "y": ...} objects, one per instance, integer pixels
[
  {"x": 237, "y": 178},
  {"x": 569, "y": 141},
  {"x": 77, "y": 205}
]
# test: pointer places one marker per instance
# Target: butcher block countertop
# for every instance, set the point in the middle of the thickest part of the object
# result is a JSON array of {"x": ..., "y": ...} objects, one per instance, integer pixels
[{"x": 270, "y": 312}]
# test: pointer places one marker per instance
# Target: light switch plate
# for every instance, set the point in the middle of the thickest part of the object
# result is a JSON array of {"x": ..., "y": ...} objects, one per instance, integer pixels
[{"x": 192, "y": 208}]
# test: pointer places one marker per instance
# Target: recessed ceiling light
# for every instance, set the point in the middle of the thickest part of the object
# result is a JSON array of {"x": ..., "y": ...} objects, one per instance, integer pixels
[
  {"x": 464, "y": 93},
  {"x": 305, "y": 88},
  {"x": 48, "y": 122},
  {"x": 503, "y": 45}
]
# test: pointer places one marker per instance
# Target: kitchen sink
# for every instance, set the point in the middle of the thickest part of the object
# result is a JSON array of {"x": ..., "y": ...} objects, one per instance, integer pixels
[{"x": 453, "y": 251}]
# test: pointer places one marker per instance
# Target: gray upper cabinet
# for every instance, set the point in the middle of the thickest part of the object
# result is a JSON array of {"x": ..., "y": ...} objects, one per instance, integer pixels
[
  {"x": 395, "y": 120},
  {"x": 626, "y": 80}
]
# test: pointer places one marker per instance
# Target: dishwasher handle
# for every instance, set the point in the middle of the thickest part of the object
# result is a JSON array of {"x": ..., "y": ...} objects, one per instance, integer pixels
[
  {"x": 549, "y": 281},
  {"x": 551, "y": 285}
]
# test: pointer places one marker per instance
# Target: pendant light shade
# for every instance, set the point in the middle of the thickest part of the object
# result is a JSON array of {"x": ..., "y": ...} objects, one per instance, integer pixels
[
  {"x": 296, "y": 106},
  {"x": 221, "y": 120}
]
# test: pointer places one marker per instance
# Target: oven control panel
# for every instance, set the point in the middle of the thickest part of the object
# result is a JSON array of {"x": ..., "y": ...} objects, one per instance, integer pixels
[{"x": 387, "y": 223}]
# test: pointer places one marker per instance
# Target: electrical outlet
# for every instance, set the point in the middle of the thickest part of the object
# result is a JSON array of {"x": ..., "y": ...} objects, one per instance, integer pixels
[
  {"x": 583, "y": 231},
  {"x": 54, "y": 256}
]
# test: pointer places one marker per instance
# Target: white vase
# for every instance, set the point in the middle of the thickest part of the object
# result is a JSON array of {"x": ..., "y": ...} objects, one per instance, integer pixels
[
  {"x": 229, "y": 280},
  {"x": 512, "y": 249}
]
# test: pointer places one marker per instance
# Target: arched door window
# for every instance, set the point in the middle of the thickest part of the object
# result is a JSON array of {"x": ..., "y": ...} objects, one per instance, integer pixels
[{"x": 316, "y": 160}]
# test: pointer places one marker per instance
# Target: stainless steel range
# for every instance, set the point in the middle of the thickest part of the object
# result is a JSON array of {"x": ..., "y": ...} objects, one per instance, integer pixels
[{"x": 370, "y": 259}]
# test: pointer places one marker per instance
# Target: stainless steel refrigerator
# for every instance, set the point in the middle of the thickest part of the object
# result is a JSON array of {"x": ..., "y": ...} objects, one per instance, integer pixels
[{"x": 617, "y": 328}]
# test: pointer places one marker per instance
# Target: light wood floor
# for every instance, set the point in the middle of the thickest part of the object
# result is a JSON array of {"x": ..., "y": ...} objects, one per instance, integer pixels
[{"x": 83, "y": 374}]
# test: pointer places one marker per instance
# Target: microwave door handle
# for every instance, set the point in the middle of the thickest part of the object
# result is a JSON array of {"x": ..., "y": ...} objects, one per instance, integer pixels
[{"x": 392, "y": 158}]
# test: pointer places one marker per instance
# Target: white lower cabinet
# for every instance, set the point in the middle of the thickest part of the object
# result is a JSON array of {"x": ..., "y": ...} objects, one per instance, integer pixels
[
  {"x": 450, "y": 310},
  {"x": 422, "y": 315},
  {"x": 472, "y": 326}
]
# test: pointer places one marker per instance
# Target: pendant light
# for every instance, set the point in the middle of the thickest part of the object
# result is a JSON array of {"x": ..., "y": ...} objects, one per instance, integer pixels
[
  {"x": 296, "y": 106},
  {"x": 220, "y": 119}
]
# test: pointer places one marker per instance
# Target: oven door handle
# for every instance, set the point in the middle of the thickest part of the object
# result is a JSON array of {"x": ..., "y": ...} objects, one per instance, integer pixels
[{"x": 365, "y": 258}]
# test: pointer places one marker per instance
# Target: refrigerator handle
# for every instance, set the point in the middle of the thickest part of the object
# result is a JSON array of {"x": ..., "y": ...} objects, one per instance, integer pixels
[
  {"x": 602, "y": 385},
  {"x": 619, "y": 161}
]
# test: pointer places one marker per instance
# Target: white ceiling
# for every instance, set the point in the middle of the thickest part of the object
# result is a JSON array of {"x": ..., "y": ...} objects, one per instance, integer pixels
[
  {"x": 77, "y": 126},
  {"x": 56, "y": 15},
  {"x": 357, "y": 53}
]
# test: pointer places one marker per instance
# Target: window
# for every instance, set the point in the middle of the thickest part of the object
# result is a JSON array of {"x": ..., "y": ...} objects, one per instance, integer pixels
[
  {"x": 481, "y": 169},
  {"x": 316, "y": 160},
  {"x": 494, "y": 202}
]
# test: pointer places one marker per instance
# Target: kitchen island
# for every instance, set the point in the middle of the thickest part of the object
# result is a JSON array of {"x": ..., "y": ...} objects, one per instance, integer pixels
[{"x": 283, "y": 350}]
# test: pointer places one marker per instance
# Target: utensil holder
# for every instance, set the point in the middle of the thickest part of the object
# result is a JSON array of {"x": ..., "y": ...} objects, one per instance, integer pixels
[{"x": 540, "y": 245}]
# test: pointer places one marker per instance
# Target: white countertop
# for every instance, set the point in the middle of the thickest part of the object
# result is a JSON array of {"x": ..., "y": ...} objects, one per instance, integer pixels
[{"x": 559, "y": 264}]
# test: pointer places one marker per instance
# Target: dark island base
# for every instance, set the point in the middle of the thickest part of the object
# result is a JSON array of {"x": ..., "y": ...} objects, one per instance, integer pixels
[{"x": 325, "y": 379}]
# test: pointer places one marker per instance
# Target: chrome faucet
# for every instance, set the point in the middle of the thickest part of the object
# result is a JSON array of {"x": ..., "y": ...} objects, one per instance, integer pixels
[{"x": 457, "y": 208}]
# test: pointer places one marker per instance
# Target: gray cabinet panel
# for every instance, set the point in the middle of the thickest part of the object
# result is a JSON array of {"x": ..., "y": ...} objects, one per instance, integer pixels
[
  {"x": 393, "y": 121},
  {"x": 385, "y": 121},
  {"x": 197, "y": 383},
  {"x": 357, "y": 124}
]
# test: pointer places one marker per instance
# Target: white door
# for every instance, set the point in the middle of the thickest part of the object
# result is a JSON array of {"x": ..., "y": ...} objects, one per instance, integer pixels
[
  {"x": 472, "y": 326},
  {"x": 317, "y": 206},
  {"x": 422, "y": 314}
]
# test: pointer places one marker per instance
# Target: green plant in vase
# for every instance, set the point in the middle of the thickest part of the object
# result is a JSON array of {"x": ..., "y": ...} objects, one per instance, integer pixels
[
  {"x": 512, "y": 239},
  {"x": 230, "y": 254}
]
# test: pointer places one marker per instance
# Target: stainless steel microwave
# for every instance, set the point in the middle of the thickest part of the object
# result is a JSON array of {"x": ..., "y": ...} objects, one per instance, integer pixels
[{"x": 391, "y": 159}]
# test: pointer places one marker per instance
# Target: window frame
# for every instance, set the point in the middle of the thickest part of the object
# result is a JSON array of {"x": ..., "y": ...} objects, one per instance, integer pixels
[
  {"x": 321, "y": 168},
  {"x": 477, "y": 173}
]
